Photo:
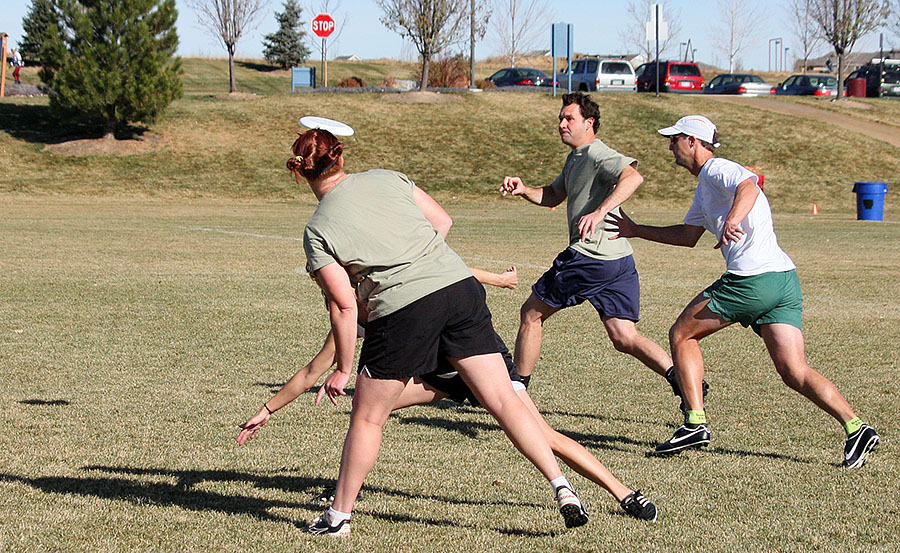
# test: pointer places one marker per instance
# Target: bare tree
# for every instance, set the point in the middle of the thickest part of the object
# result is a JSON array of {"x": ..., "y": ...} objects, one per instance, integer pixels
[
  {"x": 431, "y": 25},
  {"x": 479, "y": 15},
  {"x": 634, "y": 34},
  {"x": 738, "y": 26},
  {"x": 520, "y": 25},
  {"x": 843, "y": 22},
  {"x": 228, "y": 20},
  {"x": 806, "y": 30},
  {"x": 893, "y": 23}
]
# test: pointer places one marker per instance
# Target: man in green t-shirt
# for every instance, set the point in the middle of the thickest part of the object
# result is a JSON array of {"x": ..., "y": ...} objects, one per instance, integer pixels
[{"x": 595, "y": 181}]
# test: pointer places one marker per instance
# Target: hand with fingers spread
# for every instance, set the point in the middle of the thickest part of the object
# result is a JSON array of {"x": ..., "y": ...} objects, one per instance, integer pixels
[{"x": 622, "y": 225}]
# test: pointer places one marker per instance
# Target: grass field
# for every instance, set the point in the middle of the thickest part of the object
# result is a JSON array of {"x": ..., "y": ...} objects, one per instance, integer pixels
[{"x": 135, "y": 334}]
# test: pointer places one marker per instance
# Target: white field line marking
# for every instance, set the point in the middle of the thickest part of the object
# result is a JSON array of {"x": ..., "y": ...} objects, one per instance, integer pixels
[
  {"x": 293, "y": 238},
  {"x": 239, "y": 233}
]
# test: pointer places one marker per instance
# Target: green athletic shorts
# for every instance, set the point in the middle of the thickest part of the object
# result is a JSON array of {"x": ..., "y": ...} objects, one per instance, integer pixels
[{"x": 757, "y": 299}]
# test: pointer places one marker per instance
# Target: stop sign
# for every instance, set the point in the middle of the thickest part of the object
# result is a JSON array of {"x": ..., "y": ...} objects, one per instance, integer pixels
[{"x": 323, "y": 25}]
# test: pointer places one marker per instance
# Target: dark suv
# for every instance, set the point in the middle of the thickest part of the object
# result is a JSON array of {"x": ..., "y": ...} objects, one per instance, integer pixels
[
  {"x": 878, "y": 83},
  {"x": 674, "y": 76}
]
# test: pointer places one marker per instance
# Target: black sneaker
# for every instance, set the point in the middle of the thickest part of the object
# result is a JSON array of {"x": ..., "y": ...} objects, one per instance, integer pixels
[
  {"x": 327, "y": 496},
  {"x": 322, "y": 526},
  {"x": 859, "y": 445},
  {"x": 670, "y": 378},
  {"x": 684, "y": 438},
  {"x": 570, "y": 507},
  {"x": 639, "y": 506}
]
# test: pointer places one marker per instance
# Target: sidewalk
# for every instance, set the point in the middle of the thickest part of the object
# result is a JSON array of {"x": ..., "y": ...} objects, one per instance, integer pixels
[{"x": 878, "y": 131}]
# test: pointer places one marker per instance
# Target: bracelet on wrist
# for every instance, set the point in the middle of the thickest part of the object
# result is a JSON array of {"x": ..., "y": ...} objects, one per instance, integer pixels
[{"x": 266, "y": 406}]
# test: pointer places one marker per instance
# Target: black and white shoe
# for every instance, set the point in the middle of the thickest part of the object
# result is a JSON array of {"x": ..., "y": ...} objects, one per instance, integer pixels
[
  {"x": 685, "y": 437},
  {"x": 322, "y": 525},
  {"x": 670, "y": 378},
  {"x": 570, "y": 507},
  {"x": 639, "y": 506},
  {"x": 859, "y": 445}
]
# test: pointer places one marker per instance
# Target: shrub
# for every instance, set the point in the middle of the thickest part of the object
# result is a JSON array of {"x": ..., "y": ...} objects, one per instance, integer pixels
[
  {"x": 484, "y": 84},
  {"x": 448, "y": 72},
  {"x": 389, "y": 82},
  {"x": 352, "y": 82}
]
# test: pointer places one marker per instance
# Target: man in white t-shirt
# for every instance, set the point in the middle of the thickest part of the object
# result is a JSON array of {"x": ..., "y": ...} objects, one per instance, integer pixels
[{"x": 759, "y": 289}]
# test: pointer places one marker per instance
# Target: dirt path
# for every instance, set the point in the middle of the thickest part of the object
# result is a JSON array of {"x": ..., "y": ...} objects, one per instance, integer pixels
[{"x": 878, "y": 131}]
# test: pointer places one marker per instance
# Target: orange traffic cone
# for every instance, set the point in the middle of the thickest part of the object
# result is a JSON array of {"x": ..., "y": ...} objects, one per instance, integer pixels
[{"x": 815, "y": 210}]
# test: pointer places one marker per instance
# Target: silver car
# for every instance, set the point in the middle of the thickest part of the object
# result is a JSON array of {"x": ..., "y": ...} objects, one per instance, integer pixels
[
  {"x": 746, "y": 84},
  {"x": 600, "y": 75}
]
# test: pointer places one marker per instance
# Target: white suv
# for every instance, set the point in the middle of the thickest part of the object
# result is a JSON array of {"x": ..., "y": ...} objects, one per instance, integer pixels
[{"x": 601, "y": 75}]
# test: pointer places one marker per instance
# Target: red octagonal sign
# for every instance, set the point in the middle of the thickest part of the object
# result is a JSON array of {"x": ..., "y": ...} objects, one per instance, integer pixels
[{"x": 323, "y": 25}]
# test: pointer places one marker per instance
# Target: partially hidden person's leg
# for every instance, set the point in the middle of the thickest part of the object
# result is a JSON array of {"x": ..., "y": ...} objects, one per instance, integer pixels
[
  {"x": 488, "y": 378},
  {"x": 575, "y": 455},
  {"x": 486, "y": 375},
  {"x": 580, "y": 459},
  {"x": 373, "y": 400},
  {"x": 417, "y": 392},
  {"x": 531, "y": 331},
  {"x": 625, "y": 337}
]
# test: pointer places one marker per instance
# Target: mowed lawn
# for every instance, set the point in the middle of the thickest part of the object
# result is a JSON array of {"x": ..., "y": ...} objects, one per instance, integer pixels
[{"x": 137, "y": 333}]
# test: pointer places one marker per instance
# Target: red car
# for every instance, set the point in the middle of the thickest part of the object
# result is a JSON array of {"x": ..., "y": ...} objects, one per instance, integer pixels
[{"x": 674, "y": 76}]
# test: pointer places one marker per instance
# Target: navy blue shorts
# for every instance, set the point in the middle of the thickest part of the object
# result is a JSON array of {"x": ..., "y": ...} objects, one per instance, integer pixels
[
  {"x": 612, "y": 287},
  {"x": 451, "y": 322},
  {"x": 446, "y": 380}
]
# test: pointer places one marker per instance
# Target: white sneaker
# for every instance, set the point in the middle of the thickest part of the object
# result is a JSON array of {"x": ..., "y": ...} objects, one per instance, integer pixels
[{"x": 570, "y": 507}]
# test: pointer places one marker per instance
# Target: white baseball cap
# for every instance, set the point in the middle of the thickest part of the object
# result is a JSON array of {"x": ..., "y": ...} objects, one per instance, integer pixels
[{"x": 693, "y": 125}]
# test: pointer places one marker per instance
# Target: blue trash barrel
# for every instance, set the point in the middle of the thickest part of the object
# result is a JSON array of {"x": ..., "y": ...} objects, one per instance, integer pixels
[{"x": 870, "y": 200}]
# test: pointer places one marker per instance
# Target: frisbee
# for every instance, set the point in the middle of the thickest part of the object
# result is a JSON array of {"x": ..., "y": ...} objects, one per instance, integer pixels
[{"x": 334, "y": 127}]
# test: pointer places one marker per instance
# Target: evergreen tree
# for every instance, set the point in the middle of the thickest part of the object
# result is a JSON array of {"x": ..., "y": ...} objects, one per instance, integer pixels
[
  {"x": 111, "y": 63},
  {"x": 35, "y": 25},
  {"x": 286, "y": 47}
]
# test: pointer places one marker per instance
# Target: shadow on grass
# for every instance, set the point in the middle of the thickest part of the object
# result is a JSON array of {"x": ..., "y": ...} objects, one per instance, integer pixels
[
  {"x": 275, "y": 386},
  {"x": 50, "y": 402},
  {"x": 255, "y": 66},
  {"x": 35, "y": 124},
  {"x": 183, "y": 494},
  {"x": 739, "y": 453},
  {"x": 470, "y": 429},
  {"x": 606, "y": 418}
]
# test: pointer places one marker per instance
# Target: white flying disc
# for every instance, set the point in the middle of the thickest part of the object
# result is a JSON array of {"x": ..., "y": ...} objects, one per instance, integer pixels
[{"x": 334, "y": 127}]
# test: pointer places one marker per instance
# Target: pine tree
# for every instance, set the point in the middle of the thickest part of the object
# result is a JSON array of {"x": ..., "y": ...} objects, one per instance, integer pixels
[
  {"x": 285, "y": 46},
  {"x": 35, "y": 25},
  {"x": 111, "y": 63}
]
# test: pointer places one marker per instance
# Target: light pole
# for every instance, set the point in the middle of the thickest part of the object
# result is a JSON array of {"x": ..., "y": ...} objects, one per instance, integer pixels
[
  {"x": 684, "y": 45},
  {"x": 775, "y": 45},
  {"x": 784, "y": 59}
]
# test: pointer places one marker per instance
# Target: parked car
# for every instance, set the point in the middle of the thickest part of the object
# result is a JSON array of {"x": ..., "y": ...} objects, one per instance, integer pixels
[
  {"x": 879, "y": 83},
  {"x": 520, "y": 76},
  {"x": 600, "y": 75},
  {"x": 738, "y": 83},
  {"x": 674, "y": 76},
  {"x": 808, "y": 85}
]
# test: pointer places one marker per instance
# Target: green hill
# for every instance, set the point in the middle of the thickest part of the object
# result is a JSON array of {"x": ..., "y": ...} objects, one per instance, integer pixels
[{"x": 211, "y": 144}]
